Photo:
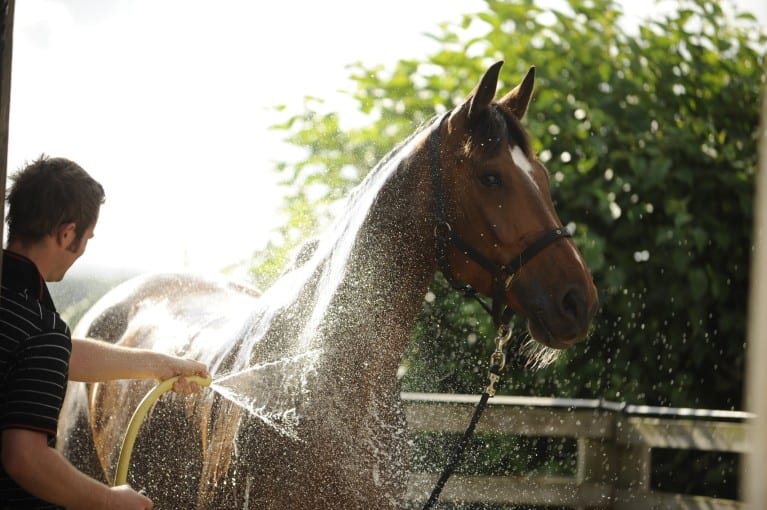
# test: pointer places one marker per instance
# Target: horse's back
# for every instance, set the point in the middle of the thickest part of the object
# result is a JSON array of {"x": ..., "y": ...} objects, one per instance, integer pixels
[{"x": 179, "y": 294}]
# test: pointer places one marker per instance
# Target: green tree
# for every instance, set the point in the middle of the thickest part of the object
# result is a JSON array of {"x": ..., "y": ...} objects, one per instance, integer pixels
[{"x": 650, "y": 138}]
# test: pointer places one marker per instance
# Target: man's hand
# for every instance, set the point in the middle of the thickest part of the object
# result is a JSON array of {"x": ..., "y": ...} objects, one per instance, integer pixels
[
  {"x": 171, "y": 366},
  {"x": 125, "y": 498}
]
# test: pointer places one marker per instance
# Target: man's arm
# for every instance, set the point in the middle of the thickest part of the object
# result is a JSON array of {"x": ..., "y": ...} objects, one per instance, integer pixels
[
  {"x": 94, "y": 361},
  {"x": 46, "y": 474}
]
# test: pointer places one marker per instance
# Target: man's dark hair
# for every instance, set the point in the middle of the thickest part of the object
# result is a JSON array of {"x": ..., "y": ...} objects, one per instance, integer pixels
[{"x": 48, "y": 193}]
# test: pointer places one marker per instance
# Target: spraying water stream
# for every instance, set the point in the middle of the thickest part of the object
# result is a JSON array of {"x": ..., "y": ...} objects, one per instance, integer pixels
[{"x": 274, "y": 392}]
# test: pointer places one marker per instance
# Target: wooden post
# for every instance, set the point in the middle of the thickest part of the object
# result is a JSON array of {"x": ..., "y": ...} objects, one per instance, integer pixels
[
  {"x": 755, "y": 473},
  {"x": 6, "y": 52},
  {"x": 597, "y": 464}
]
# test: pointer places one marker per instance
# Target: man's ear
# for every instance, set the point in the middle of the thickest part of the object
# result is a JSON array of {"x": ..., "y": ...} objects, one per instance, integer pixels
[{"x": 66, "y": 234}]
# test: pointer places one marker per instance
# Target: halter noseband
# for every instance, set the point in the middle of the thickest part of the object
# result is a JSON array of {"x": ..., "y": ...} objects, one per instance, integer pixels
[{"x": 444, "y": 236}]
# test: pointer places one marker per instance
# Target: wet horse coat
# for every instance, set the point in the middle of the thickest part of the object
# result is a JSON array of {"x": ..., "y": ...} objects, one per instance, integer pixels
[{"x": 355, "y": 296}]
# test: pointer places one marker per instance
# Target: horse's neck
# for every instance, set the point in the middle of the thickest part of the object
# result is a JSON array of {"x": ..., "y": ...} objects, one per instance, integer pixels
[
  {"x": 389, "y": 271},
  {"x": 362, "y": 315}
]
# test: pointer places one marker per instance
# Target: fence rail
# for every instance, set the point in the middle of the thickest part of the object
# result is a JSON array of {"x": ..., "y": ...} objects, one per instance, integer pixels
[{"x": 614, "y": 449}]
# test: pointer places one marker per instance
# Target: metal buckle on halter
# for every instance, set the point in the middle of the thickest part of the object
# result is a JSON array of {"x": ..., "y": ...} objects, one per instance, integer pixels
[
  {"x": 445, "y": 233},
  {"x": 498, "y": 358},
  {"x": 509, "y": 281}
]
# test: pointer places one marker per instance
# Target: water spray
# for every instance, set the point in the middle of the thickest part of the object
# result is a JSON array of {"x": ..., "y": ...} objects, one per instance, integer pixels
[{"x": 254, "y": 389}]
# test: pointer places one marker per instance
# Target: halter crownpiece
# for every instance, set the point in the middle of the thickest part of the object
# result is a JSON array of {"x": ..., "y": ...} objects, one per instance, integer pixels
[{"x": 503, "y": 274}]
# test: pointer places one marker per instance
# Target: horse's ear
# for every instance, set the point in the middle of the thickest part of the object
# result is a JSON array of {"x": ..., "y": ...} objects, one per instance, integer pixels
[
  {"x": 518, "y": 99},
  {"x": 481, "y": 97}
]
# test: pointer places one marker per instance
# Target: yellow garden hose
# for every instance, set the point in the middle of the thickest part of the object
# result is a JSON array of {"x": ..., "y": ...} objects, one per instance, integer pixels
[{"x": 121, "y": 476}]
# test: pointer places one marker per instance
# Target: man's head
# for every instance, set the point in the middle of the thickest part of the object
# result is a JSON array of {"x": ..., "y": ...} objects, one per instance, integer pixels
[
  {"x": 53, "y": 197},
  {"x": 48, "y": 194}
]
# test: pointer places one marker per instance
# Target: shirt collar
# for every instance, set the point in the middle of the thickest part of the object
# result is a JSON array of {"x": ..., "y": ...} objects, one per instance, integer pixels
[{"x": 21, "y": 275}]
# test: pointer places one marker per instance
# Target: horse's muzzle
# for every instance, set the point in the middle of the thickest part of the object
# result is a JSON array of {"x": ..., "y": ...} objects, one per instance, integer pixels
[{"x": 562, "y": 322}]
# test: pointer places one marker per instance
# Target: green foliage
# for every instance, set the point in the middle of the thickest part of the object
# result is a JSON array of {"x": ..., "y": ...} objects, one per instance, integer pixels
[{"x": 650, "y": 138}]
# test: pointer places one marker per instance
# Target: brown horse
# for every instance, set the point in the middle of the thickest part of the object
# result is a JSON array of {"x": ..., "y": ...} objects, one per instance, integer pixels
[{"x": 471, "y": 181}]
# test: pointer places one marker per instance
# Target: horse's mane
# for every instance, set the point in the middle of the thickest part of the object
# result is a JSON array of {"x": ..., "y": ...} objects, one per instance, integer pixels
[{"x": 321, "y": 264}]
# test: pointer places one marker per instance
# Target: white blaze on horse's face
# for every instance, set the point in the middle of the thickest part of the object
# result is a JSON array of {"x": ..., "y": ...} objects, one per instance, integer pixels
[{"x": 519, "y": 158}]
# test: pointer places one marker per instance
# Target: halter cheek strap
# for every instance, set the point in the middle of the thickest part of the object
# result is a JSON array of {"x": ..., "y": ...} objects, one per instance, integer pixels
[{"x": 503, "y": 274}]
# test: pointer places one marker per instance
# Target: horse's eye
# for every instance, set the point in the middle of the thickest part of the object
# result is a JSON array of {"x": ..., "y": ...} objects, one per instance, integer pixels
[{"x": 491, "y": 180}]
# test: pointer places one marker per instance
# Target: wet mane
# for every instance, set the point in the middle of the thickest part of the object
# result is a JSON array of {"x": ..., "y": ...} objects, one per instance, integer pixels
[{"x": 324, "y": 261}]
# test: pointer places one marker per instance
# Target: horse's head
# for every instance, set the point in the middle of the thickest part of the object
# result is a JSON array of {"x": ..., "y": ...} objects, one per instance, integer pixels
[{"x": 504, "y": 237}]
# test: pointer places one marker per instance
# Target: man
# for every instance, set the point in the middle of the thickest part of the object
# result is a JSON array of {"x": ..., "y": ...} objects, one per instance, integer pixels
[{"x": 53, "y": 207}]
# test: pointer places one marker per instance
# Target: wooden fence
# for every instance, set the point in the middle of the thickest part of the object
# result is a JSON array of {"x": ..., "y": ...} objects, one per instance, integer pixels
[{"x": 614, "y": 450}]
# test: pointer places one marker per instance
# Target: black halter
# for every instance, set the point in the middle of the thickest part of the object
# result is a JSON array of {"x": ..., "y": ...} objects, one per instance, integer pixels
[{"x": 503, "y": 275}]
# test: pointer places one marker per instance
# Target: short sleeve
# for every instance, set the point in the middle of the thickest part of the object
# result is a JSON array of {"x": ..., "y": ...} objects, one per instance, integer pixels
[{"x": 36, "y": 383}]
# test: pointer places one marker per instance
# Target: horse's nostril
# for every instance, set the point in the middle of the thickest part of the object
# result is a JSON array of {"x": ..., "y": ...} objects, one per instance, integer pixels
[{"x": 573, "y": 304}]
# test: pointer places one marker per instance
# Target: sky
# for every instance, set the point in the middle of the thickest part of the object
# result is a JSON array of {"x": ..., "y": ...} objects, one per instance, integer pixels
[{"x": 168, "y": 103}]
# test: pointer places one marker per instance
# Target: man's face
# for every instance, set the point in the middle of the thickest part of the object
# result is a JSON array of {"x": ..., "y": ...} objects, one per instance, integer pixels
[
  {"x": 74, "y": 249},
  {"x": 77, "y": 246}
]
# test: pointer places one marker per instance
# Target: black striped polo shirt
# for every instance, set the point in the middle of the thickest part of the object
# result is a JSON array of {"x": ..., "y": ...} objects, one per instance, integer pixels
[{"x": 35, "y": 345}]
